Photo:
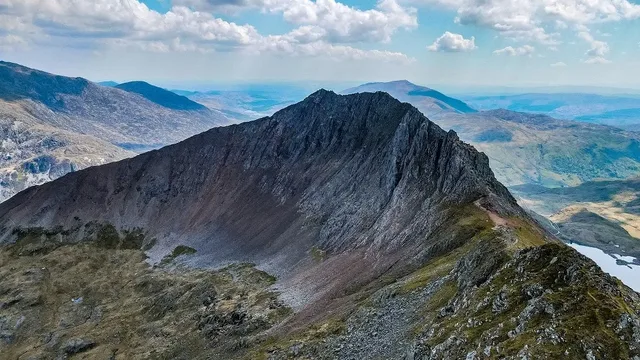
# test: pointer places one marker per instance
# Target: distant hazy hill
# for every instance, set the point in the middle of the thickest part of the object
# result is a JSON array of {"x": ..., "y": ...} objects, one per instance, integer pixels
[
  {"x": 248, "y": 102},
  {"x": 537, "y": 149},
  {"x": 52, "y": 125},
  {"x": 108, "y": 83},
  {"x": 429, "y": 101},
  {"x": 625, "y": 118},
  {"x": 161, "y": 96},
  {"x": 603, "y": 214},
  {"x": 616, "y": 110}
]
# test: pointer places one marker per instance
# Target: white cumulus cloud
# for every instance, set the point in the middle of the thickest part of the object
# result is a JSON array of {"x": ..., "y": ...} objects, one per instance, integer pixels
[
  {"x": 450, "y": 42},
  {"x": 526, "y": 50},
  {"x": 598, "y": 49},
  {"x": 326, "y": 27},
  {"x": 339, "y": 22},
  {"x": 531, "y": 19},
  {"x": 597, "y": 60},
  {"x": 558, "y": 64}
]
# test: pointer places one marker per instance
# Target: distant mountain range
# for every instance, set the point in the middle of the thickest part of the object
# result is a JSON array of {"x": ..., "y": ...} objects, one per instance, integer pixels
[
  {"x": 162, "y": 97},
  {"x": 616, "y": 110},
  {"x": 108, "y": 83},
  {"x": 537, "y": 149},
  {"x": 248, "y": 103},
  {"x": 528, "y": 148},
  {"x": 54, "y": 124}
]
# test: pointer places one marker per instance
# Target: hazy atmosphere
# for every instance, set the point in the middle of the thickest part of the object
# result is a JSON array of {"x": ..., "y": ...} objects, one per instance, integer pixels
[{"x": 446, "y": 42}]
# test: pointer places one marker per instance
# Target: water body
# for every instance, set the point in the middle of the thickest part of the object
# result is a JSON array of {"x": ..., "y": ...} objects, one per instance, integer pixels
[{"x": 628, "y": 274}]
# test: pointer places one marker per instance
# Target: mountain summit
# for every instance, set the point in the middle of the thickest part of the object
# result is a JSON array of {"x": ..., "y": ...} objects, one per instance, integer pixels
[
  {"x": 337, "y": 172},
  {"x": 376, "y": 235}
]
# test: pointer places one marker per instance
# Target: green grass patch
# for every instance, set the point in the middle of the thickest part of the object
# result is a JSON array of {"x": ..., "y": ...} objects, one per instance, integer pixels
[
  {"x": 318, "y": 254},
  {"x": 180, "y": 250},
  {"x": 528, "y": 236}
]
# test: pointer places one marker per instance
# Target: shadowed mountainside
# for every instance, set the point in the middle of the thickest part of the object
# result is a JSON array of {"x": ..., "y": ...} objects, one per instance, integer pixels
[{"x": 160, "y": 96}]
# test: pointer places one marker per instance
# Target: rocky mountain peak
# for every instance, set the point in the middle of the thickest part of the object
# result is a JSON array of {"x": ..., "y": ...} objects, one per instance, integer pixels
[{"x": 365, "y": 161}]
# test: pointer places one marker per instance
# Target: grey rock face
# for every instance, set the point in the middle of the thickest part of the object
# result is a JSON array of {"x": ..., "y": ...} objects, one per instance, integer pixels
[
  {"x": 337, "y": 172},
  {"x": 75, "y": 346},
  {"x": 32, "y": 152}
]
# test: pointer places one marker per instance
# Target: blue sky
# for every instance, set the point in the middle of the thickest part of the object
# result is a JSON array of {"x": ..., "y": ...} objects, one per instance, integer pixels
[{"x": 451, "y": 42}]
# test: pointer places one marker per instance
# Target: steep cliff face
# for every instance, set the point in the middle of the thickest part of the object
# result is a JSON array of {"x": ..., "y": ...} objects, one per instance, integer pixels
[{"x": 334, "y": 172}]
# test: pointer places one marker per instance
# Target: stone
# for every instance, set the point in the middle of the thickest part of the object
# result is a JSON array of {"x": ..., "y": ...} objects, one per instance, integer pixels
[{"x": 77, "y": 345}]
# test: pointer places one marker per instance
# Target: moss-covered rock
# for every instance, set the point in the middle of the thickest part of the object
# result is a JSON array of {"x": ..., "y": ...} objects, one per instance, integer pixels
[{"x": 109, "y": 303}]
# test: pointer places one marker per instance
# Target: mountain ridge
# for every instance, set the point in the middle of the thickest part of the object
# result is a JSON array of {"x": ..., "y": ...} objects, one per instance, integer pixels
[
  {"x": 108, "y": 113},
  {"x": 160, "y": 96},
  {"x": 388, "y": 149}
]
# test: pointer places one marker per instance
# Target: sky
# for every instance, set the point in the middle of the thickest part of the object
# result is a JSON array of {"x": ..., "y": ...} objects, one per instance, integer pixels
[{"x": 457, "y": 43}]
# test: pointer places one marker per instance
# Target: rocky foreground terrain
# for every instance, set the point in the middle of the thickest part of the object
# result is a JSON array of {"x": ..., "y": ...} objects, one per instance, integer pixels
[
  {"x": 342, "y": 227},
  {"x": 52, "y": 125}
]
